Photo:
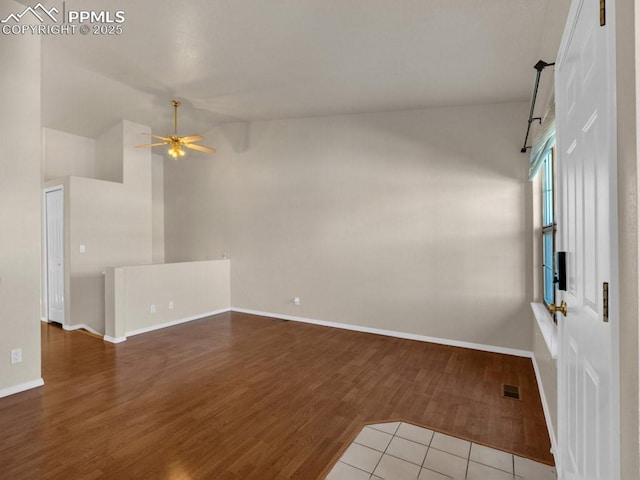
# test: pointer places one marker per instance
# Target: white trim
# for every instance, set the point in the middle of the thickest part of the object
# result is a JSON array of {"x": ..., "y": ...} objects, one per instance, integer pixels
[
  {"x": 44, "y": 301},
  {"x": 174, "y": 322},
  {"x": 547, "y": 326},
  {"x": 44, "y": 319},
  {"x": 441, "y": 341},
  {"x": 79, "y": 326},
  {"x": 110, "y": 339},
  {"x": 5, "y": 392},
  {"x": 545, "y": 409},
  {"x": 391, "y": 333}
]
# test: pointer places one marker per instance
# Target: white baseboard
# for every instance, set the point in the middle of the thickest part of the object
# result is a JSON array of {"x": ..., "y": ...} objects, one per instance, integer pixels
[
  {"x": 423, "y": 338},
  {"x": 110, "y": 339},
  {"x": 83, "y": 326},
  {"x": 545, "y": 409},
  {"x": 44, "y": 319},
  {"x": 174, "y": 322},
  {"x": 5, "y": 392},
  {"x": 391, "y": 333},
  {"x": 344, "y": 326}
]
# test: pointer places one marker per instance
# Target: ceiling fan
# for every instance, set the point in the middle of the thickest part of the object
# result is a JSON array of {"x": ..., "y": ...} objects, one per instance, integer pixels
[{"x": 175, "y": 141}]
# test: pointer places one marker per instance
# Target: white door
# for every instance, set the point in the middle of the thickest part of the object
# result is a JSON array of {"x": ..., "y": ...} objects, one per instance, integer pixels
[
  {"x": 54, "y": 242},
  {"x": 588, "y": 415}
]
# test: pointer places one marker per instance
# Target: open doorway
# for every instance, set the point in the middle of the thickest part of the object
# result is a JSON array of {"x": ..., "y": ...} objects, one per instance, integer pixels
[{"x": 54, "y": 254}]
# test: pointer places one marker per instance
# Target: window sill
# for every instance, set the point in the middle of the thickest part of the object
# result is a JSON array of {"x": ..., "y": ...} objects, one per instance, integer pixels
[{"x": 548, "y": 328}]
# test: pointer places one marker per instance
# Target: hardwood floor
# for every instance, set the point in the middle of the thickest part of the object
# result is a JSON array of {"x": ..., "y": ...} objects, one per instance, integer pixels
[{"x": 238, "y": 396}]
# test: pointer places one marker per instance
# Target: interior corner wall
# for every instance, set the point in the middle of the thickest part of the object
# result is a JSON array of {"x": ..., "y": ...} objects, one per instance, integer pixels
[
  {"x": 408, "y": 221},
  {"x": 66, "y": 154},
  {"x": 157, "y": 188},
  {"x": 20, "y": 207},
  {"x": 113, "y": 221},
  {"x": 547, "y": 367},
  {"x": 109, "y": 159},
  {"x": 550, "y": 38}
]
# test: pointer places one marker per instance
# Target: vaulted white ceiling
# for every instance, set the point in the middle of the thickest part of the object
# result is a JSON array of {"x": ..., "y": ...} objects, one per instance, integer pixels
[{"x": 231, "y": 60}]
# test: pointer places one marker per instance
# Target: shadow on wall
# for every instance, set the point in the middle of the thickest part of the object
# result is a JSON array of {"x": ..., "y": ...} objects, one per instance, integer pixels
[
  {"x": 237, "y": 135},
  {"x": 87, "y": 301}
]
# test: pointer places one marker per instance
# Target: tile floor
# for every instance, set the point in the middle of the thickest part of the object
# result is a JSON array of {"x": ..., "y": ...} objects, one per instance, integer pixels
[{"x": 398, "y": 451}]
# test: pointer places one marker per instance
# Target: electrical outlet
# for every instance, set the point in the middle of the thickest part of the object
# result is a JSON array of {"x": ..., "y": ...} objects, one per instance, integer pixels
[
  {"x": 152, "y": 309},
  {"x": 296, "y": 300},
  {"x": 16, "y": 355},
  {"x": 171, "y": 305}
]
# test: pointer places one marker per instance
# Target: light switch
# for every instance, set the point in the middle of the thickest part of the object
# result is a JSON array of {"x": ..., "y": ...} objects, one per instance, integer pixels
[{"x": 83, "y": 249}]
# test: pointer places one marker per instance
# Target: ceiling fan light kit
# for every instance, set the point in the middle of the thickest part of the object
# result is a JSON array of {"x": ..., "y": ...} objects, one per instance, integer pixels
[
  {"x": 176, "y": 151},
  {"x": 175, "y": 141}
]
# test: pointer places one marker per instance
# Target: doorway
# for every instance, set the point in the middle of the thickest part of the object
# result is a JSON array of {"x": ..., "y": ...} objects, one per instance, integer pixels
[
  {"x": 588, "y": 398},
  {"x": 54, "y": 254}
]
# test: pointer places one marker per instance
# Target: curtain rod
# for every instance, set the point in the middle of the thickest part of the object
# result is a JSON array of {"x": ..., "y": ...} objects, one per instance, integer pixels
[{"x": 541, "y": 65}]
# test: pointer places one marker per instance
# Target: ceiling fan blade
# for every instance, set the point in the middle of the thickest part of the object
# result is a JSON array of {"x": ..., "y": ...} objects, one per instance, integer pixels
[
  {"x": 192, "y": 138},
  {"x": 152, "y": 145},
  {"x": 166, "y": 139},
  {"x": 200, "y": 148}
]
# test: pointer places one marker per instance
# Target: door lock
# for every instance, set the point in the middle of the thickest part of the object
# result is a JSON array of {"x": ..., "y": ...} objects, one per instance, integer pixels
[{"x": 562, "y": 308}]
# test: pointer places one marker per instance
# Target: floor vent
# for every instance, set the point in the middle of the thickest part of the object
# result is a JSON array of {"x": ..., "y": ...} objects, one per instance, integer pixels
[{"x": 511, "y": 391}]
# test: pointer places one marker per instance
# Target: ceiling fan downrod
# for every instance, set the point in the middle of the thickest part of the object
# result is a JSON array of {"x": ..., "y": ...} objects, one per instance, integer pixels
[{"x": 176, "y": 104}]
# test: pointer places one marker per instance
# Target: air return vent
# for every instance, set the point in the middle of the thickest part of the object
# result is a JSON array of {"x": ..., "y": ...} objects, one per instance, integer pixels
[{"x": 511, "y": 391}]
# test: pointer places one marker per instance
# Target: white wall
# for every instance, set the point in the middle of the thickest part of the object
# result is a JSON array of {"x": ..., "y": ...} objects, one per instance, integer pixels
[
  {"x": 66, "y": 154},
  {"x": 109, "y": 217},
  {"x": 109, "y": 155},
  {"x": 407, "y": 221},
  {"x": 547, "y": 379},
  {"x": 20, "y": 207},
  {"x": 112, "y": 220},
  {"x": 195, "y": 290},
  {"x": 555, "y": 19},
  {"x": 157, "y": 191},
  {"x": 547, "y": 365}
]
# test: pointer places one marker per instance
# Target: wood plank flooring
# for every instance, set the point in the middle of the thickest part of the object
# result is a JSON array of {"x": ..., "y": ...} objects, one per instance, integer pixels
[{"x": 239, "y": 396}]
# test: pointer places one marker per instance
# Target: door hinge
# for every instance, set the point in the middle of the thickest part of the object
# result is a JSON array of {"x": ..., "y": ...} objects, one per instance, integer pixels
[
  {"x": 603, "y": 13},
  {"x": 605, "y": 302}
]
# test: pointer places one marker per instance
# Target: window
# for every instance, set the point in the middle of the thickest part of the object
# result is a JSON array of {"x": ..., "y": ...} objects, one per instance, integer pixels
[{"x": 548, "y": 228}]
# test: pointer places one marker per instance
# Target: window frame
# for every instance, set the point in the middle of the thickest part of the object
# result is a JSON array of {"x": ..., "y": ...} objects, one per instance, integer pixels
[{"x": 548, "y": 174}]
